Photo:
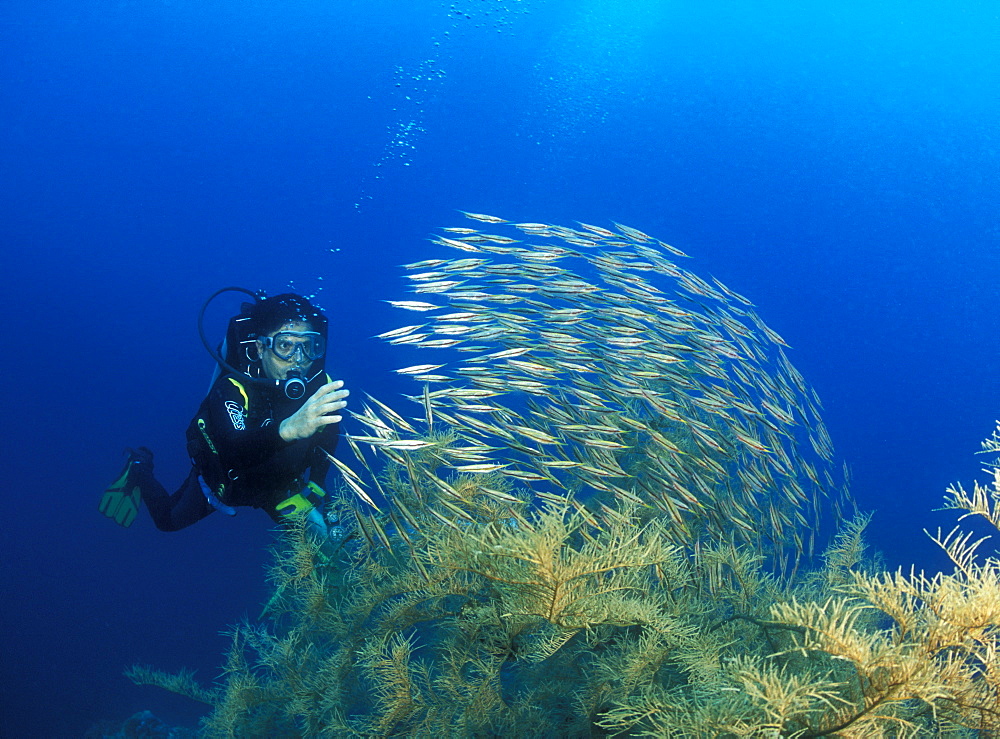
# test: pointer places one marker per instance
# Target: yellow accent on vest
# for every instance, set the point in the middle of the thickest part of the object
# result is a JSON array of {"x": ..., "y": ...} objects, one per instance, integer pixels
[
  {"x": 246, "y": 400},
  {"x": 296, "y": 504},
  {"x": 299, "y": 503}
]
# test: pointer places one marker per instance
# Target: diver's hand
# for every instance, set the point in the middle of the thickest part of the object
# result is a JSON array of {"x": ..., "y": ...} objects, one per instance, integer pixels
[{"x": 316, "y": 414}]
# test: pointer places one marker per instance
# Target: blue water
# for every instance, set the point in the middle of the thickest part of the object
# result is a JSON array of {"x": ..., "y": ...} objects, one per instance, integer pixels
[{"x": 837, "y": 163}]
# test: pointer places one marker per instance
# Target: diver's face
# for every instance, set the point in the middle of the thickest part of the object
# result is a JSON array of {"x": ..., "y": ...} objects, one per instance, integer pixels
[{"x": 276, "y": 368}]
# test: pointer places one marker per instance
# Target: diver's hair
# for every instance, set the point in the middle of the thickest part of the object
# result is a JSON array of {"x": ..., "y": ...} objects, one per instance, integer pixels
[{"x": 271, "y": 314}]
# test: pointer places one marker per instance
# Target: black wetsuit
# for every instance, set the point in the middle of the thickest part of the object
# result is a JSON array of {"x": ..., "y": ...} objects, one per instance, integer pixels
[{"x": 262, "y": 468}]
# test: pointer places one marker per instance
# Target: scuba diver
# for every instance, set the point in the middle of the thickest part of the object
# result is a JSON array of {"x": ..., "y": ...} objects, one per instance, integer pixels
[{"x": 264, "y": 435}]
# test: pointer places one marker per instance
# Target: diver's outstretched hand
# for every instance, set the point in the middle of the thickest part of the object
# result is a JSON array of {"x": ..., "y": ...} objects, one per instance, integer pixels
[{"x": 316, "y": 414}]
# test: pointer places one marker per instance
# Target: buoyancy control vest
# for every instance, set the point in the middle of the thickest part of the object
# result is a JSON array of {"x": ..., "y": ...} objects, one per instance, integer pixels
[{"x": 300, "y": 497}]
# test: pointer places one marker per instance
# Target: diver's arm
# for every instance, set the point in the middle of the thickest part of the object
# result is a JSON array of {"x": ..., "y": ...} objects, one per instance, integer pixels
[{"x": 326, "y": 442}]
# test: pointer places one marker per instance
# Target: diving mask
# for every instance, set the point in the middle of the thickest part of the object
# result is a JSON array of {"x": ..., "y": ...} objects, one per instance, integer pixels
[{"x": 286, "y": 344}]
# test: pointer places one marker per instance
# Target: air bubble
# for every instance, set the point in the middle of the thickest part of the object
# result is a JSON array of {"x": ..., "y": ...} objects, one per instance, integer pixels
[{"x": 420, "y": 83}]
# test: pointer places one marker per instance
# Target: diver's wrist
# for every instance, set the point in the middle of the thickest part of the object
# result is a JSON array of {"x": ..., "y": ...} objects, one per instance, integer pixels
[{"x": 286, "y": 432}]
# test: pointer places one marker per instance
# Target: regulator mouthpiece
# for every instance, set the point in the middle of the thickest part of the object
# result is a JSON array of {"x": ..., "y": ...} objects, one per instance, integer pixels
[{"x": 295, "y": 385}]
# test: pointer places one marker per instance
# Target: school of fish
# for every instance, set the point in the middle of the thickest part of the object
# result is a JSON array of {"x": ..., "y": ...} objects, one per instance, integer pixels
[{"x": 587, "y": 365}]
